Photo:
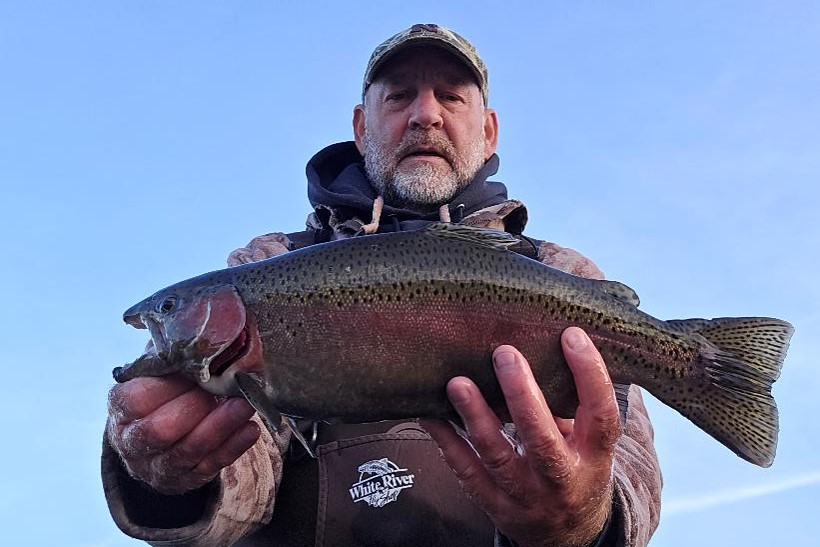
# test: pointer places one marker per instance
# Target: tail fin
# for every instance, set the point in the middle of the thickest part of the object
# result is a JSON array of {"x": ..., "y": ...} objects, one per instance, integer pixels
[{"x": 742, "y": 357}]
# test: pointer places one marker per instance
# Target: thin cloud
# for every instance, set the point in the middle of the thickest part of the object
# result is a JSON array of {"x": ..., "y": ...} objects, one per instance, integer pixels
[{"x": 705, "y": 501}]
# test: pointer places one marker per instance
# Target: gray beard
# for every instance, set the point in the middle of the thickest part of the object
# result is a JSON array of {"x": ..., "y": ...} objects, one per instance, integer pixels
[{"x": 422, "y": 186}]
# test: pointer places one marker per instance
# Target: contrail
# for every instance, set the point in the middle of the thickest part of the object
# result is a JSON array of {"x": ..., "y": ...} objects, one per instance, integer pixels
[{"x": 704, "y": 501}]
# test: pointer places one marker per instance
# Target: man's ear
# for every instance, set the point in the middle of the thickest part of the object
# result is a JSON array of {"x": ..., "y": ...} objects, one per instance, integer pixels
[
  {"x": 490, "y": 132},
  {"x": 358, "y": 127}
]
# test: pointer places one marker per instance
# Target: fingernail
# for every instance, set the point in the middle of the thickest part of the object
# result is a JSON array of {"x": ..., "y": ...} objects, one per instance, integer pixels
[
  {"x": 504, "y": 361},
  {"x": 576, "y": 339}
]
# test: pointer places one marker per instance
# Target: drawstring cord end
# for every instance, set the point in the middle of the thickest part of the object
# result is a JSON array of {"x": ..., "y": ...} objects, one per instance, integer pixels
[
  {"x": 444, "y": 213},
  {"x": 371, "y": 228}
]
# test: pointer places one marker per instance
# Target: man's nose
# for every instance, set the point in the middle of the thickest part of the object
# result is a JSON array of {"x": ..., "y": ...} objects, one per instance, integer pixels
[{"x": 426, "y": 111}]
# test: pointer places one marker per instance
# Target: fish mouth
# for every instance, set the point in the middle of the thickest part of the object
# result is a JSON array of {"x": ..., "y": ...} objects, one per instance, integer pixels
[
  {"x": 158, "y": 338},
  {"x": 232, "y": 354},
  {"x": 134, "y": 319},
  {"x": 137, "y": 317},
  {"x": 134, "y": 315}
]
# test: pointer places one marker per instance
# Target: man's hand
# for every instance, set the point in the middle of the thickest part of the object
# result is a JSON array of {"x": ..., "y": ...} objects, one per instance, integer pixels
[
  {"x": 173, "y": 435},
  {"x": 555, "y": 488}
]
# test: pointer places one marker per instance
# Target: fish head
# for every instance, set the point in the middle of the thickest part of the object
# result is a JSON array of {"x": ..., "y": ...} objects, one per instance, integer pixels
[{"x": 197, "y": 329}]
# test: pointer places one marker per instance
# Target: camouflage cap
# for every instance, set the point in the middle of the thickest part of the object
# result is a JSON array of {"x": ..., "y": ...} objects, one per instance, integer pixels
[{"x": 428, "y": 34}]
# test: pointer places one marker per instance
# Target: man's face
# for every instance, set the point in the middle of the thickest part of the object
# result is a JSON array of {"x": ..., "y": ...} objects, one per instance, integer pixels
[{"x": 424, "y": 131}]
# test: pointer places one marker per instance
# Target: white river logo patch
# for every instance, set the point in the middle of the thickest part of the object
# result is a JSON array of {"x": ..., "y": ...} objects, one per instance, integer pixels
[{"x": 380, "y": 482}]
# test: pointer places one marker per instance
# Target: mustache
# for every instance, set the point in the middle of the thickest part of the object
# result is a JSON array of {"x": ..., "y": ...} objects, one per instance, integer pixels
[{"x": 435, "y": 142}]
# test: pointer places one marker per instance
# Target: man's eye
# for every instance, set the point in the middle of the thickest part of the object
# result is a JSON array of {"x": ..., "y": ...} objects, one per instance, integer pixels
[{"x": 396, "y": 97}]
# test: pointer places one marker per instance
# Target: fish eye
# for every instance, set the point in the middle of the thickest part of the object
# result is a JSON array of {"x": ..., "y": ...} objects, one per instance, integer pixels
[{"x": 167, "y": 305}]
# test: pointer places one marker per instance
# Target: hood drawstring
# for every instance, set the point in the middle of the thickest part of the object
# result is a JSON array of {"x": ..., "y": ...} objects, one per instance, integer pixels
[
  {"x": 454, "y": 218},
  {"x": 444, "y": 213},
  {"x": 338, "y": 183},
  {"x": 371, "y": 228},
  {"x": 458, "y": 215},
  {"x": 378, "y": 205}
]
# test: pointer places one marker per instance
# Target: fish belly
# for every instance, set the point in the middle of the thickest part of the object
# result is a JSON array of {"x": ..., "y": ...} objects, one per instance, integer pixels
[{"x": 376, "y": 355}]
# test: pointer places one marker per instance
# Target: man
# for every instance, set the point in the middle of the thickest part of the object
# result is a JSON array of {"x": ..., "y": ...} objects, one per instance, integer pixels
[{"x": 182, "y": 467}]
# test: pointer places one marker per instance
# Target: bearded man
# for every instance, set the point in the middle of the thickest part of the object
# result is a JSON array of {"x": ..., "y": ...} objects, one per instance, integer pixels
[{"x": 182, "y": 467}]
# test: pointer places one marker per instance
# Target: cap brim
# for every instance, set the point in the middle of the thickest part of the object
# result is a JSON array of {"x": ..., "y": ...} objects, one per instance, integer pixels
[{"x": 411, "y": 43}]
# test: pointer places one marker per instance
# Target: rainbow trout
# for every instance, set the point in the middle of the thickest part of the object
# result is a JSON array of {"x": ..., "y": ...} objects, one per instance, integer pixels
[{"x": 372, "y": 328}]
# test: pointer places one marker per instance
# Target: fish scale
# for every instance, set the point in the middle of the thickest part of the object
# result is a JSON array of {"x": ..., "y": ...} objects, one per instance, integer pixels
[{"x": 372, "y": 328}]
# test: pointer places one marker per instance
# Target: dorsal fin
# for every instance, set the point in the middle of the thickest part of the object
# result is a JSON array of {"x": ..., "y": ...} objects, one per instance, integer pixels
[
  {"x": 621, "y": 292},
  {"x": 488, "y": 237}
]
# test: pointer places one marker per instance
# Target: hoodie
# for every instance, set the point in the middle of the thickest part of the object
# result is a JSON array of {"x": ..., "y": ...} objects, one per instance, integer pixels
[{"x": 342, "y": 197}]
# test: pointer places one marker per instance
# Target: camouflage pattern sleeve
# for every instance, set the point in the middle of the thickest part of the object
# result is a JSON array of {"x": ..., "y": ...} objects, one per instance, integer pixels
[
  {"x": 637, "y": 474},
  {"x": 235, "y": 504}
]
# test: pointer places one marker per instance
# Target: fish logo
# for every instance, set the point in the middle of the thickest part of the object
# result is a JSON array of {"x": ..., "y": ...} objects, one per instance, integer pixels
[{"x": 380, "y": 482}]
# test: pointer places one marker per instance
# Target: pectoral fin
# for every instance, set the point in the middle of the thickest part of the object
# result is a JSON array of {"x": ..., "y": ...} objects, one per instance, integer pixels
[
  {"x": 301, "y": 438},
  {"x": 488, "y": 237},
  {"x": 252, "y": 387}
]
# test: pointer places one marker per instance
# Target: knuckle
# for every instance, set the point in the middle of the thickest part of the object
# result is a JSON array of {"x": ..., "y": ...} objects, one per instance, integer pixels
[
  {"x": 132, "y": 400},
  {"x": 545, "y": 446},
  {"x": 209, "y": 467},
  {"x": 183, "y": 455},
  {"x": 126, "y": 401},
  {"x": 532, "y": 419},
  {"x": 278, "y": 249},
  {"x": 168, "y": 464},
  {"x": 226, "y": 456},
  {"x": 237, "y": 257},
  {"x": 244, "y": 438},
  {"x": 555, "y": 467},
  {"x": 499, "y": 460},
  {"x": 117, "y": 402},
  {"x": 468, "y": 474},
  {"x": 132, "y": 440},
  {"x": 160, "y": 436},
  {"x": 113, "y": 433},
  {"x": 606, "y": 424},
  {"x": 168, "y": 479},
  {"x": 145, "y": 437},
  {"x": 257, "y": 241}
]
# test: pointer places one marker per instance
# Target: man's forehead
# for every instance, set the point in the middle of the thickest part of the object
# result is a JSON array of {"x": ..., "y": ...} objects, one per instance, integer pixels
[{"x": 425, "y": 62}]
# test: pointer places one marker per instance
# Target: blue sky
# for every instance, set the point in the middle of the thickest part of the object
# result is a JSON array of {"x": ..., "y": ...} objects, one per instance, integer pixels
[{"x": 675, "y": 143}]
